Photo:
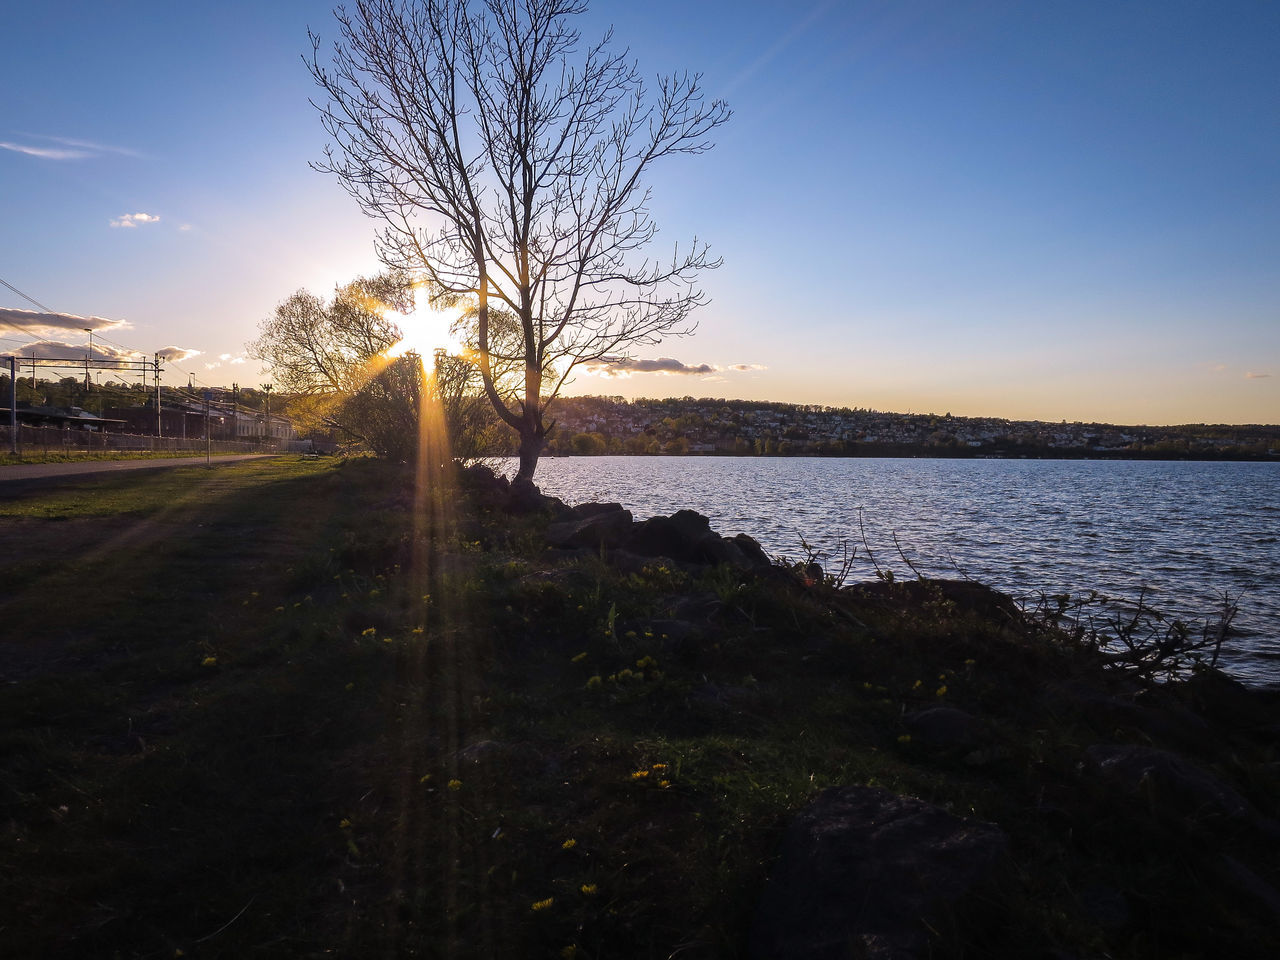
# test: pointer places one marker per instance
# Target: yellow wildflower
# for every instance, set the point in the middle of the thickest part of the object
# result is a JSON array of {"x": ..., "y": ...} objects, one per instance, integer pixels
[
  {"x": 369, "y": 632},
  {"x": 455, "y": 785},
  {"x": 344, "y": 824},
  {"x": 543, "y": 904},
  {"x": 904, "y": 739},
  {"x": 579, "y": 657},
  {"x": 589, "y": 889},
  {"x": 659, "y": 767},
  {"x": 569, "y": 844},
  {"x": 942, "y": 690},
  {"x": 594, "y": 682},
  {"x": 639, "y": 774},
  {"x": 209, "y": 662}
]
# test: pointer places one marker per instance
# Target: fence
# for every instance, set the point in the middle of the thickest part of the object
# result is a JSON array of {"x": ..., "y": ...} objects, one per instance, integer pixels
[{"x": 47, "y": 440}]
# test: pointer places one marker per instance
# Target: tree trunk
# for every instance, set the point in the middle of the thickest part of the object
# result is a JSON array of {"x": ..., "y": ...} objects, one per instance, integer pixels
[{"x": 531, "y": 445}]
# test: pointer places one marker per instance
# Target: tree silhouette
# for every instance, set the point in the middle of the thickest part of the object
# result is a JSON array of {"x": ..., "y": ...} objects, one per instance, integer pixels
[{"x": 508, "y": 165}]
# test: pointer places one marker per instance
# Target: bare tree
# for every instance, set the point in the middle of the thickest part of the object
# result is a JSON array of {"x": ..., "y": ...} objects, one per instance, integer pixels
[{"x": 509, "y": 166}]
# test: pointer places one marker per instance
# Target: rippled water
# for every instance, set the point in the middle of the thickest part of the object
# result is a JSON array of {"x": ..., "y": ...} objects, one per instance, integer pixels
[{"x": 1184, "y": 532}]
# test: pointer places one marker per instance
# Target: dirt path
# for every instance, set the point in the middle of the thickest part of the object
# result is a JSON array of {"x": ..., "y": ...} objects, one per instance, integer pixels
[{"x": 19, "y": 472}]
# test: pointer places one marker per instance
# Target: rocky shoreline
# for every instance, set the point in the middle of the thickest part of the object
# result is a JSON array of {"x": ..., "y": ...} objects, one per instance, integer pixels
[{"x": 1109, "y": 763}]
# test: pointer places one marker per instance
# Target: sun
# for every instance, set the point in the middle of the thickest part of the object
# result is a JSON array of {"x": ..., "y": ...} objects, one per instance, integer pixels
[{"x": 424, "y": 330}]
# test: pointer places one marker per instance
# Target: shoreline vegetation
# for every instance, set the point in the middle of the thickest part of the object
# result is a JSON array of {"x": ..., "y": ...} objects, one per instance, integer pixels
[{"x": 301, "y": 706}]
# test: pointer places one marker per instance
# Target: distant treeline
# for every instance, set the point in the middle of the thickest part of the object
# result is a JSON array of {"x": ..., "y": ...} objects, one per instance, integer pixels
[{"x": 588, "y": 426}]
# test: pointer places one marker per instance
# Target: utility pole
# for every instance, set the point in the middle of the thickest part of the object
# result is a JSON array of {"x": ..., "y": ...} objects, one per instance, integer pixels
[
  {"x": 87, "y": 357},
  {"x": 267, "y": 388},
  {"x": 159, "y": 419},
  {"x": 207, "y": 432},
  {"x": 13, "y": 405}
]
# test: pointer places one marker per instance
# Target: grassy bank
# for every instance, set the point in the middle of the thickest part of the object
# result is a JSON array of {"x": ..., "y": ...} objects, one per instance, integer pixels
[
  {"x": 79, "y": 456},
  {"x": 265, "y": 709}
]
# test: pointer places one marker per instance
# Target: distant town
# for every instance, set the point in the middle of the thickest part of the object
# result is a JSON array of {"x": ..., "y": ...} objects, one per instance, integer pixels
[
  {"x": 613, "y": 425},
  {"x": 595, "y": 426}
]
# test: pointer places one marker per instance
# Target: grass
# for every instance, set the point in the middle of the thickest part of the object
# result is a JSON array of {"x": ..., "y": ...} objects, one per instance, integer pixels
[
  {"x": 79, "y": 456},
  {"x": 259, "y": 710}
]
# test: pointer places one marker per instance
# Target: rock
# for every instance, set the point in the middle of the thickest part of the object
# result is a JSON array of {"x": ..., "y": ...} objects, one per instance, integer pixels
[
  {"x": 717, "y": 550},
  {"x": 1250, "y": 887},
  {"x": 944, "y": 728},
  {"x": 584, "y": 510},
  {"x": 526, "y": 498},
  {"x": 811, "y": 573},
  {"x": 1228, "y": 703},
  {"x": 602, "y": 529},
  {"x": 677, "y": 536},
  {"x": 668, "y": 633},
  {"x": 867, "y": 873},
  {"x": 1106, "y": 906},
  {"x": 967, "y": 596},
  {"x": 694, "y": 606},
  {"x": 752, "y": 550},
  {"x": 1170, "y": 783}
]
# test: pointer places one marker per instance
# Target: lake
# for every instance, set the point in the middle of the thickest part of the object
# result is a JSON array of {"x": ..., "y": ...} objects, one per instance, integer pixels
[{"x": 1183, "y": 532}]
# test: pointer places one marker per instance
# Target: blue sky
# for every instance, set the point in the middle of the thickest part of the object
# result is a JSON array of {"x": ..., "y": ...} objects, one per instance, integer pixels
[{"x": 1030, "y": 210}]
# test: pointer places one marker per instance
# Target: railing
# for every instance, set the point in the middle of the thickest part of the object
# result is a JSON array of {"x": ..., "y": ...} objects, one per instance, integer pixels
[{"x": 54, "y": 440}]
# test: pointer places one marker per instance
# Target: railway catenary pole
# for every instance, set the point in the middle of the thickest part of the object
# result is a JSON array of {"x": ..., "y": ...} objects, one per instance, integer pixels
[{"x": 13, "y": 405}]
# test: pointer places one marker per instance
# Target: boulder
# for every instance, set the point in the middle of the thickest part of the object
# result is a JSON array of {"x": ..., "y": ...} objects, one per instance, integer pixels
[
  {"x": 751, "y": 548},
  {"x": 584, "y": 510},
  {"x": 606, "y": 529},
  {"x": 526, "y": 498},
  {"x": 678, "y": 536},
  {"x": 864, "y": 872},
  {"x": 1168, "y": 782},
  {"x": 944, "y": 729}
]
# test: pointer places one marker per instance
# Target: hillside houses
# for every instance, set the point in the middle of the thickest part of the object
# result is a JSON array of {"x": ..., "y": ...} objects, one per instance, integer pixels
[{"x": 741, "y": 427}]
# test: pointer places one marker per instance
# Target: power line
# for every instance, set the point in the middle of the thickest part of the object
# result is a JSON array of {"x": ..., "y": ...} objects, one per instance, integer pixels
[{"x": 24, "y": 296}]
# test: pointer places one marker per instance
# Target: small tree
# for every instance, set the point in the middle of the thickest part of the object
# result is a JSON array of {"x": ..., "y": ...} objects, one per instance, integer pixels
[
  {"x": 512, "y": 174},
  {"x": 332, "y": 357}
]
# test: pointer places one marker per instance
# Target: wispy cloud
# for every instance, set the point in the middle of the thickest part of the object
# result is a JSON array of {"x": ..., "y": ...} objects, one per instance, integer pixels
[
  {"x": 175, "y": 354},
  {"x": 626, "y": 366},
  {"x": 92, "y": 146},
  {"x": 1256, "y": 376},
  {"x": 131, "y": 220},
  {"x": 62, "y": 148},
  {"x": 40, "y": 324},
  {"x": 45, "y": 153},
  {"x": 236, "y": 360}
]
